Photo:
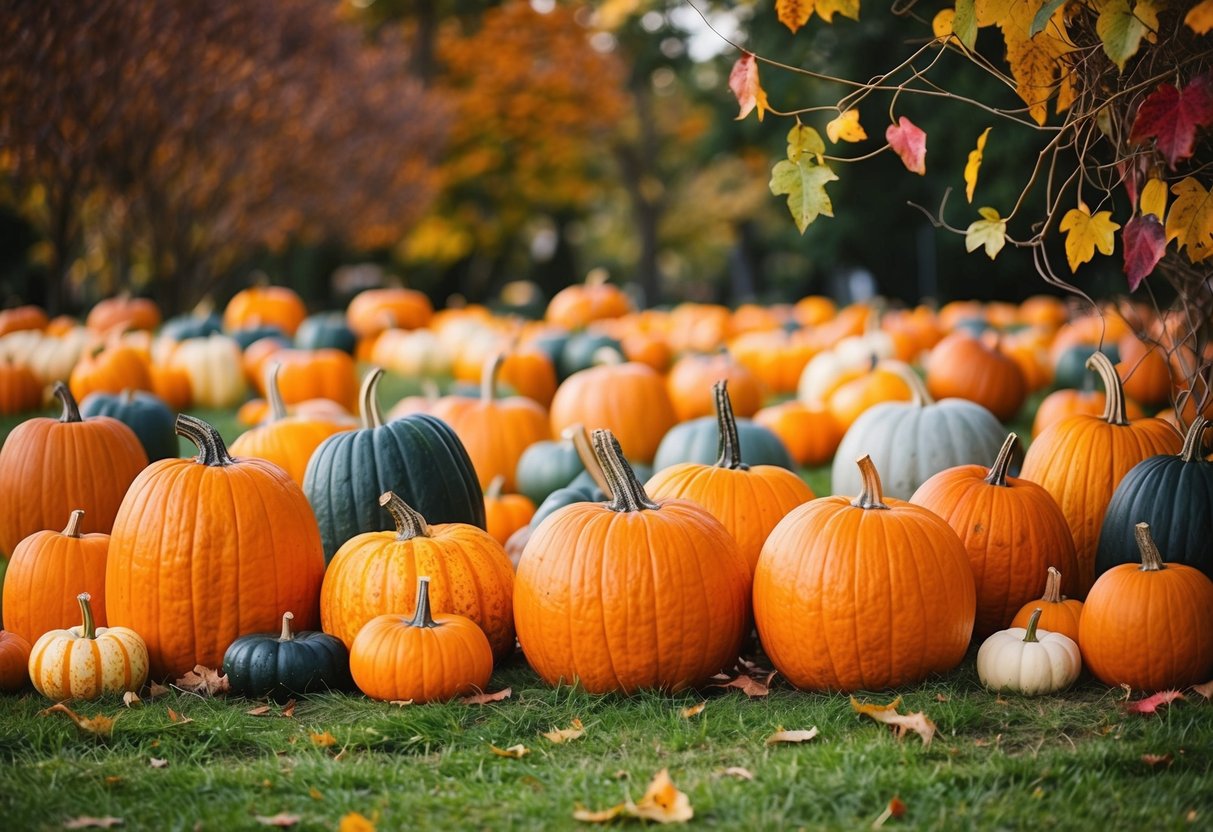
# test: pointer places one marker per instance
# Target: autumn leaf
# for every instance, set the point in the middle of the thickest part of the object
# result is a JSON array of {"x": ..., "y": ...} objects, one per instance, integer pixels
[
  {"x": 179, "y": 719},
  {"x": 131, "y": 699},
  {"x": 964, "y": 23},
  {"x": 1205, "y": 690},
  {"x": 559, "y": 735},
  {"x": 942, "y": 23},
  {"x": 826, "y": 9},
  {"x": 895, "y": 809},
  {"x": 749, "y": 685},
  {"x": 156, "y": 689},
  {"x": 288, "y": 710},
  {"x": 662, "y": 802},
  {"x": 1121, "y": 28},
  {"x": 515, "y": 752},
  {"x": 1190, "y": 220},
  {"x": 693, "y": 710},
  {"x": 1151, "y": 704},
  {"x": 1155, "y": 760},
  {"x": 1036, "y": 52},
  {"x": 485, "y": 698},
  {"x": 101, "y": 726},
  {"x": 1145, "y": 243},
  {"x": 598, "y": 816},
  {"x": 793, "y": 13},
  {"x": 86, "y": 822},
  {"x": 1172, "y": 116},
  {"x": 743, "y": 81},
  {"x": 910, "y": 143},
  {"x": 1086, "y": 233},
  {"x": 990, "y": 231},
  {"x": 803, "y": 140},
  {"x": 204, "y": 681},
  {"x": 157, "y": 762},
  {"x": 917, "y": 722},
  {"x": 782, "y": 736},
  {"x": 846, "y": 127},
  {"x": 260, "y": 710},
  {"x": 1154, "y": 199},
  {"x": 804, "y": 183},
  {"x": 1200, "y": 17},
  {"x": 323, "y": 740},
  {"x": 282, "y": 819},
  {"x": 355, "y": 822},
  {"x": 974, "y": 164}
]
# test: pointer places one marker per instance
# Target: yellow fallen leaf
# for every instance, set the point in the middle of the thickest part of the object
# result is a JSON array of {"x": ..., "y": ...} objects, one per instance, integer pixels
[
  {"x": 356, "y": 822},
  {"x": 693, "y": 710},
  {"x": 260, "y": 710},
  {"x": 792, "y": 736},
  {"x": 662, "y": 802},
  {"x": 315, "y": 793},
  {"x": 101, "y": 726},
  {"x": 180, "y": 719},
  {"x": 323, "y": 740},
  {"x": 515, "y": 752},
  {"x": 917, "y": 722},
  {"x": 739, "y": 772},
  {"x": 485, "y": 698},
  {"x": 601, "y": 816},
  {"x": 574, "y": 731}
]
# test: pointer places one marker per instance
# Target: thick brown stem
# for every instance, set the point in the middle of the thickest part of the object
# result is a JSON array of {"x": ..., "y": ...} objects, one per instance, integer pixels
[
  {"x": 627, "y": 494},
  {"x": 581, "y": 441},
  {"x": 1030, "y": 636},
  {"x": 1151, "y": 558},
  {"x": 71, "y": 410},
  {"x": 1193, "y": 444},
  {"x": 211, "y": 450},
  {"x": 409, "y": 522},
  {"x": 273, "y": 393},
  {"x": 919, "y": 395},
  {"x": 1053, "y": 587},
  {"x": 1114, "y": 405},
  {"x": 368, "y": 399},
  {"x": 871, "y": 495},
  {"x": 287, "y": 618},
  {"x": 726, "y": 423},
  {"x": 88, "y": 627},
  {"x": 998, "y": 471},
  {"x": 488, "y": 377},
  {"x": 422, "y": 617},
  {"x": 73, "y": 524}
]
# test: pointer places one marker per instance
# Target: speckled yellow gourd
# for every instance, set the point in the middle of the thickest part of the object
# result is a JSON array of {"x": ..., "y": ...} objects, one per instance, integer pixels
[{"x": 87, "y": 662}]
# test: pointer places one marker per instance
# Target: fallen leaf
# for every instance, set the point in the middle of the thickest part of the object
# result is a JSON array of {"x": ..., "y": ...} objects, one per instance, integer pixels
[
  {"x": 400, "y": 703},
  {"x": 739, "y": 772},
  {"x": 322, "y": 740},
  {"x": 178, "y": 718},
  {"x": 204, "y": 681},
  {"x": 1155, "y": 760},
  {"x": 941, "y": 697},
  {"x": 288, "y": 710},
  {"x": 114, "y": 779},
  {"x": 895, "y": 809},
  {"x": 1151, "y": 704},
  {"x": 910, "y": 143},
  {"x": 558, "y": 735},
  {"x": 485, "y": 698},
  {"x": 355, "y": 822},
  {"x": 846, "y": 127},
  {"x": 158, "y": 762},
  {"x": 156, "y": 689},
  {"x": 743, "y": 81},
  {"x": 974, "y": 164},
  {"x": 315, "y": 794},
  {"x": 1205, "y": 690},
  {"x": 662, "y": 802},
  {"x": 131, "y": 699},
  {"x": 281, "y": 819},
  {"x": 693, "y": 710},
  {"x": 990, "y": 231},
  {"x": 917, "y": 722},
  {"x": 747, "y": 684},
  {"x": 1145, "y": 244},
  {"x": 101, "y": 726},
  {"x": 792, "y": 736},
  {"x": 86, "y": 822},
  {"x": 1172, "y": 116},
  {"x": 515, "y": 752},
  {"x": 260, "y": 710},
  {"x": 1192, "y": 816},
  {"x": 601, "y": 816}
]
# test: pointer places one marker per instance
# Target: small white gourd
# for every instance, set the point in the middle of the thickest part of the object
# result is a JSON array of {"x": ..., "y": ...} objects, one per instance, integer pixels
[{"x": 1030, "y": 661}]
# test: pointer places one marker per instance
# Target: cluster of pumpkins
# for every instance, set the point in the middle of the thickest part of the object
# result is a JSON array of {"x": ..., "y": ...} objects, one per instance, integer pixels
[{"x": 637, "y": 554}]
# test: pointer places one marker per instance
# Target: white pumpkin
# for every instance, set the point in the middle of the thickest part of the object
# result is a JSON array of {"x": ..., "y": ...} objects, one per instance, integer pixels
[
  {"x": 416, "y": 353},
  {"x": 213, "y": 365},
  {"x": 50, "y": 358},
  {"x": 1028, "y": 661}
]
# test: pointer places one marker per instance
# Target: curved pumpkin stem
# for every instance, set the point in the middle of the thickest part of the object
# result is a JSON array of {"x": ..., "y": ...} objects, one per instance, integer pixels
[
  {"x": 998, "y": 471},
  {"x": 1151, "y": 558},
  {"x": 627, "y": 494},
  {"x": 71, "y": 410},
  {"x": 919, "y": 395},
  {"x": 88, "y": 627},
  {"x": 422, "y": 617},
  {"x": 581, "y": 442},
  {"x": 496, "y": 486},
  {"x": 287, "y": 618},
  {"x": 368, "y": 399},
  {"x": 488, "y": 376},
  {"x": 1192, "y": 448},
  {"x": 73, "y": 524},
  {"x": 273, "y": 393},
  {"x": 726, "y": 423},
  {"x": 871, "y": 495},
  {"x": 1053, "y": 587},
  {"x": 211, "y": 450},
  {"x": 409, "y": 522},
  {"x": 127, "y": 396},
  {"x": 1030, "y": 636},
  {"x": 1114, "y": 405}
]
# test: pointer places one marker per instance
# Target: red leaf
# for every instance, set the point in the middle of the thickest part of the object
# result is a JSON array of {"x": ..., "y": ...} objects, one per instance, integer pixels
[
  {"x": 910, "y": 143},
  {"x": 1172, "y": 116},
  {"x": 743, "y": 81},
  {"x": 1145, "y": 243},
  {"x": 1151, "y": 704}
]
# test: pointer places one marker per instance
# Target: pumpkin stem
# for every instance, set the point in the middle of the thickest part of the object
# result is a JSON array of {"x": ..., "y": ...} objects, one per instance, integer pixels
[
  {"x": 73, "y": 524},
  {"x": 607, "y": 356},
  {"x": 726, "y": 423},
  {"x": 488, "y": 377},
  {"x": 627, "y": 494},
  {"x": 127, "y": 396},
  {"x": 274, "y": 393},
  {"x": 368, "y": 398},
  {"x": 1192, "y": 448},
  {"x": 211, "y": 450},
  {"x": 71, "y": 410},
  {"x": 1053, "y": 587},
  {"x": 496, "y": 485},
  {"x": 1114, "y": 404},
  {"x": 998, "y": 471},
  {"x": 409, "y": 522},
  {"x": 89, "y": 627},
  {"x": 429, "y": 389},
  {"x": 422, "y": 617},
  {"x": 581, "y": 441},
  {"x": 919, "y": 395},
  {"x": 1151, "y": 558},
  {"x": 1030, "y": 636},
  {"x": 871, "y": 495},
  {"x": 287, "y": 618}
]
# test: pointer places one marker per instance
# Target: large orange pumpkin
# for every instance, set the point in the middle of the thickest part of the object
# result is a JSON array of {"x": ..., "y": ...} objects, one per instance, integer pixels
[
  {"x": 631, "y": 593},
  {"x": 630, "y": 400},
  {"x": 110, "y": 369},
  {"x": 208, "y": 549},
  {"x": 690, "y": 384},
  {"x": 259, "y": 306},
  {"x": 1012, "y": 529},
  {"x": 964, "y": 367},
  {"x": 374, "y": 310},
  {"x": 1058, "y": 614},
  {"x": 19, "y": 389},
  {"x": 863, "y": 594},
  {"x": 125, "y": 312},
  {"x": 1066, "y": 402}
]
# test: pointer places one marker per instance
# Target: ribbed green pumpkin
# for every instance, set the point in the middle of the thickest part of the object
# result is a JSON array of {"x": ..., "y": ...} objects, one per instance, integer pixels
[
  {"x": 699, "y": 441},
  {"x": 150, "y": 418},
  {"x": 578, "y": 353},
  {"x": 285, "y": 664},
  {"x": 545, "y": 467},
  {"x": 419, "y": 457},
  {"x": 327, "y": 330},
  {"x": 1071, "y": 369}
]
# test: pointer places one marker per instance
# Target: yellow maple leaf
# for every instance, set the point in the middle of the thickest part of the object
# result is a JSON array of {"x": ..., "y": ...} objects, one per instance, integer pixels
[
  {"x": 941, "y": 24},
  {"x": 1086, "y": 233},
  {"x": 1154, "y": 199},
  {"x": 846, "y": 127},
  {"x": 662, "y": 802},
  {"x": 575, "y": 731},
  {"x": 1121, "y": 28},
  {"x": 991, "y": 232},
  {"x": 1038, "y": 62},
  {"x": 793, "y": 13},
  {"x": 1190, "y": 220},
  {"x": 1200, "y": 17},
  {"x": 974, "y": 164},
  {"x": 826, "y": 9}
]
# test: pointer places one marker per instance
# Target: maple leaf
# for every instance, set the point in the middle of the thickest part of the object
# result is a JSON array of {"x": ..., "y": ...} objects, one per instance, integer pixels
[
  {"x": 514, "y": 752},
  {"x": 101, "y": 726},
  {"x": 990, "y": 231},
  {"x": 204, "y": 681},
  {"x": 974, "y": 164},
  {"x": 662, "y": 802},
  {"x": 782, "y": 736},
  {"x": 793, "y": 13},
  {"x": 805, "y": 141},
  {"x": 355, "y": 822},
  {"x": 1205, "y": 690},
  {"x": 1172, "y": 116},
  {"x": 743, "y": 81},
  {"x": 747, "y": 684},
  {"x": 1190, "y": 220},
  {"x": 1145, "y": 243},
  {"x": 1154, "y": 199},
  {"x": 180, "y": 719},
  {"x": 1121, "y": 28},
  {"x": 87, "y": 822},
  {"x": 282, "y": 819},
  {"x": 1085, "y": 233},
  {"x": 693, "y": 710},
  {"x": 846, "y": 127},
  {"x": 1036, "y": 51},
  {"x": 558, "y": 735},
  {"x": 804, "y": 183},
  {"x": 910, "y": 143},
  {"x": 485, "y": 698},
  {"x": 826, "y": 9},
  {"x": 917, "y": 722},
  {"x": 1151, "y": 704},
  {"x": 1200, "y": 17},
  {"x": 323, "y": 740}
]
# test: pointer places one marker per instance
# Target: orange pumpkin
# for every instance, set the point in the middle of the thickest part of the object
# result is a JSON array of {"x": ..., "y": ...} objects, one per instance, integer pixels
[
  {"x": 1081, "y": 459},
  {"x": 863, "y": 594},
  {"x": 1058, "y": 614},
  {"x": 630, "y": 400},
  {"x": 21, "y": 318},
  {"x": 598, "y": 579},
  {"x": 646, "y": 348},
  {"x": 19, "y": 389},
  {"x": 814, "y": 310},
  {"x": 208, "y": 549},
  {"x": 576, "y": 306},
  {"x": 14, "y": 662},
  {"x": 775, "y": 358},
  {"x": 963, "y": 367},
  {"x": 1148, "y": 626},
  {"x": 265, "y": 306},
  {"x": 1045, "y": 311},
  {"x": 171, "y": 385},
  {"x": 851, "y": 398},
  {"x": 257, "y": 354},
  {"x": 123, "y": 312},
  {"x": 698, "y": 327},
  {"x": 749, "y": 501},
  {"x": 530, "y": 372},
  {"x": 690, "y": 383},
  {"x": 45, "y": 574},
  {"x": 1011, "y": 528},
  {"x": 1144, "y": 372},
  {"x": 505, "y": 514},
  {"x": 48, "y": 467},
  {"x": 374, "y": 310},
  {"x": 315, "y": 374},
  {"x": 110, "y": 369},
  {"x": 425, "y": 658},
  {"x": 375, "y": 573},
  {"x": 810, "y": 434},
  {"x": 1063, "y": 403}
]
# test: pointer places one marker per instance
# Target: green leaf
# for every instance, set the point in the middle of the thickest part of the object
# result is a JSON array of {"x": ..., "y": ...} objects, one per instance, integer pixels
[
  {"x": 964, "y": 24},
  {"x": 1042, "y": 17},
  {"x": 1121, "y": 29},
  {"x": 804, "y": 183},
  {"x": 990, "y": 232},
  {"x": 802, "y": 140}
]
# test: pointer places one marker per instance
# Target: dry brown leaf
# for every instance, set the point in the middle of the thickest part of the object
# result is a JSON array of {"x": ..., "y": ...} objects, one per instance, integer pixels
[
  {"x": 156, "y": 689},
  {"x": 101, "y": 726},
  {"x": 86, "y": 822},
  {"x": 601, "y": 816},
  {"x": 749, "y": 685},
  {"x": 322, "y": 740},
  {"x": 895, "y": 809},
  {"x": 1205, "y": 690},
  {"x": 739, "y": 772},
  {"x": 114, "y": 779},
  {"x": 282, "y": 819},
  {"x": 158, "y": 762},
  {"x": 260, "y": 710},
  {"x": 357, "y": 822},
  {"x": 1155, "y": 760},
  {"x": 514, "y": 752},
  {"x": 917, "y": 722},
  {"x": 485, "y": 698},
  {"x": 204, "y": 681},
  {"x": 941, "y": 697},
  {"x": 400, "y": 703},
  {"x": 573, "y": 732},
  {"x": 288, "y": 710},
  {"x": 180, "y": 719},
  {"x": 792, "y": 736},
  {"x": 662, "y": 802},
  {"x": 693, "y": 710},
  {"x": 315, "y": 794},
  {"x": 1151, "y": 704},
  {"x": 131, "y": 699}
]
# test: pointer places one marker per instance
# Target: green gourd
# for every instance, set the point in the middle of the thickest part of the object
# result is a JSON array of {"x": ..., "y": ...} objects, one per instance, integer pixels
[{"x": 286, "y": 664}]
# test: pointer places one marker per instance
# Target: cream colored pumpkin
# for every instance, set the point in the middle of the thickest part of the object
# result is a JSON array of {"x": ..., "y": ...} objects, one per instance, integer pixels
[
  {"x": 1028, "y": 661},
  {"x": 86, "y": 662},
  {"x": 213, "y": 365}
]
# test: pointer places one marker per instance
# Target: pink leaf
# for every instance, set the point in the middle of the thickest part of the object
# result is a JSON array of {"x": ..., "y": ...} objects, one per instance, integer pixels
[
  {"x": 1145, "y": 243},
  {"x": 1151, "y": 704},
  {"x": 910, "y": 143},
  {"x": 1171, "y": 117},
  {"x": 743, "y": 81}
]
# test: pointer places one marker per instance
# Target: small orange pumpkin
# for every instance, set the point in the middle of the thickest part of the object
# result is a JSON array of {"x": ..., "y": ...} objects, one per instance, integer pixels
[
  {"x": 811, "y": 434},
  {"x": 374, "y": 310},
  {"x": 1058, "y": 614},
  {"x": 14, "y": 662},
  {"x": 1144, "y": 371},
  {"x": 852, "y": 397},
  {"x": 256, "y": 306},
  {"x": 690, "y": 383},
  {"x": 630, "y": 400},
  {"x": 19, "y": 389},
  {"x": 21, "y": 318},
  {"x": 1066, "y": 402},
  {"x": 171, "y": 385},
  {"x": 315, "y": 374},
  {"x": 505, "y": 514},
  {"x": 964, "y": 367},
  {"x": 110, "y": 369}
]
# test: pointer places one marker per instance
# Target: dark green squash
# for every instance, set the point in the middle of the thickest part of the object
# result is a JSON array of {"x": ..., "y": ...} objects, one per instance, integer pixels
[
  {"x": 419, "y": 457},
  {"x": 150, "y": 418},
  {"x": 252, "y": 334},
  {"x": 327, "y": 330},
  {"x": 580, "y": 350},
  {"x": 286, "y": 664},
  {"x": 1174, "y": 494},
  {"x": 1071, "y": 371},
  {"x": 182, "y": 327},
  {"x": 545, "y": 467},
  {"x": 699, "y": 441}
]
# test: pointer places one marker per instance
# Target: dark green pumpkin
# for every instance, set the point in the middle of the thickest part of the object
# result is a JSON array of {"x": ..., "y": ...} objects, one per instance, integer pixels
[
  {"x": 328, "y": 330},
  {"x": 579, "y": 351},
  {"x": 150, "y": 418},
  {"x": 286, "y": 664},
  {"x": 1071, "y": 371},
  {"x": 545, "y": 467},
  {"x": 562, "y": 497},
  {"x": 1174, "y": 494},
  {"x": 552, "y": 345},
  {"x": 699, "y": 441},
  {"x": 191, "y": 326},
  {"x": 419, "y": 457},
  {"x": 253, "y": 334}
]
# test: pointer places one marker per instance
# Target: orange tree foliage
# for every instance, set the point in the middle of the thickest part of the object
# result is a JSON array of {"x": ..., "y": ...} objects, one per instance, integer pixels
[{"x": 166, "y": 139}]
